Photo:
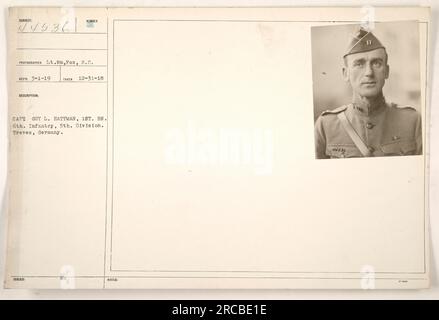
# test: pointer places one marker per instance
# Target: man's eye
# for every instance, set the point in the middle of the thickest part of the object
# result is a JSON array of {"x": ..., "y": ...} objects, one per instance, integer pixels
[
  {"x": 358, "y": 64},
  {"x": 377, "y": 64}
]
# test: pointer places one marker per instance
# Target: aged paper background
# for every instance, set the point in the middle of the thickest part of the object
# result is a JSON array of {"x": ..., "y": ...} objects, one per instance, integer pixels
[{"x": 287, "y": 171}]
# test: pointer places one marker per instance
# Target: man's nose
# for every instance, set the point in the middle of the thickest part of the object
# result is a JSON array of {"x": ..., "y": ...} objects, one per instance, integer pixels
[{"x": 368, "y": 70}]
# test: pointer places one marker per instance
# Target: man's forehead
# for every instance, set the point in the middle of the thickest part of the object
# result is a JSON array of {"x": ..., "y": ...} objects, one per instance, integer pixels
[{"x": 367, "y": 55}]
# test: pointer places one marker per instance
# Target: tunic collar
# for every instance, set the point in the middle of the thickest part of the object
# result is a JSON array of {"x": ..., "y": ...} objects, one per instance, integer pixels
[{"x": 364, "y": 110}]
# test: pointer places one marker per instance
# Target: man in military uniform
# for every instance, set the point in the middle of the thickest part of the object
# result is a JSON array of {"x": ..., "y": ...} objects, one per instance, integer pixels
[{"x": 369, "y": 126}]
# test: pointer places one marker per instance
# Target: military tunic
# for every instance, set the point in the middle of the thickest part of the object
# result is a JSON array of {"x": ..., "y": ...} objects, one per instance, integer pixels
[{"x": 389, "y": 130}]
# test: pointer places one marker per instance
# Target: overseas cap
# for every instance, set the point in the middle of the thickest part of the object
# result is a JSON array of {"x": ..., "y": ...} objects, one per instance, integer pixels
[{"x": 361, "y": 41}]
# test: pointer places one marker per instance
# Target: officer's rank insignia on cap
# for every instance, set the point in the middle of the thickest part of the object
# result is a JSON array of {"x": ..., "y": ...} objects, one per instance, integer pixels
[{"x": 361, "y": 41}]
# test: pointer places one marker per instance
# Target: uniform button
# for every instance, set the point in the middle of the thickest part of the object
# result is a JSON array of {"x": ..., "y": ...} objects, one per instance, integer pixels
[
  {"x": 371, "y": 149},
  {"x": 369, "y": 125}
]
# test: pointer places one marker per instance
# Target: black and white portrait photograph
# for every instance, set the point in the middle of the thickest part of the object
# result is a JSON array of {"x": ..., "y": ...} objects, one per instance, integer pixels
[{"x": 367, "y": 90}]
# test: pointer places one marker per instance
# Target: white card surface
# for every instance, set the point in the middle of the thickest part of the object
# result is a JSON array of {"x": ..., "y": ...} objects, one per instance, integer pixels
[{"x": 175, "y": 148}]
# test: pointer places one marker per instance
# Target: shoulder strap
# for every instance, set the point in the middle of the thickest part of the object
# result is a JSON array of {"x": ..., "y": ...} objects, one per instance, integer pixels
[
  {"x": 334, "y": 111},
  {"x": 354, "y": 135}
]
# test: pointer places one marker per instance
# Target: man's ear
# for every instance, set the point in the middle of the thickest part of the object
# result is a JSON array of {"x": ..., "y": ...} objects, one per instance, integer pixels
[
  {"x": 345, "y": 73},
  {"x": 387, "y": 71}
]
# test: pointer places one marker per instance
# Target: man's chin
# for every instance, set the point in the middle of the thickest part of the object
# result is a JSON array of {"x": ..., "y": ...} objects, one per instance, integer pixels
[{"x": 370, "y": 94}]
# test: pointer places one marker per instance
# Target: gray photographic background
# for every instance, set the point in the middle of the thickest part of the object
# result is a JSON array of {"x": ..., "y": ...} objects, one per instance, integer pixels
[{"x": 329, "y": 44}]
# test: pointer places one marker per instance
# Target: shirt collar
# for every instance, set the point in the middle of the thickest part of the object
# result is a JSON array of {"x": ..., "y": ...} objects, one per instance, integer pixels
[{"x": 365, "y": 110}]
